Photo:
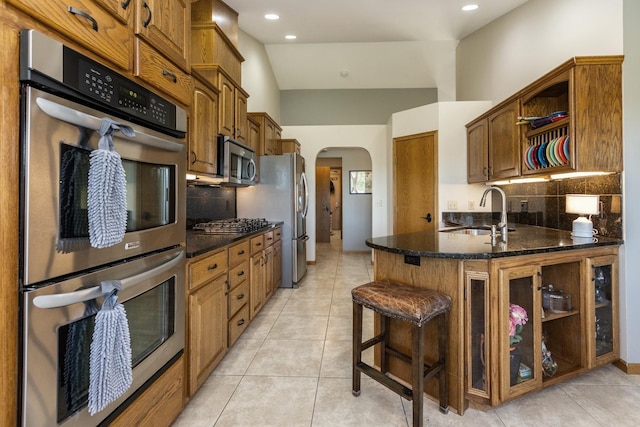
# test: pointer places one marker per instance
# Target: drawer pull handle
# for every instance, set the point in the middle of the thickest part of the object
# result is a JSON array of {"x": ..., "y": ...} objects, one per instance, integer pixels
[
  {"x": 240, "y": 322},
  {"x": 125, "y": 4},
  {"x": 241, "y": 296},
  {"x": 147, "y": 21},
  {"x": 241, "y": 273},
  {"x": 259, "y": 244},
  {"x": 241, "y": 252},
  {"x": 94, "y": 23},
  {"x": 212, "y": 267},
  {"x": 171, "y": 75}
]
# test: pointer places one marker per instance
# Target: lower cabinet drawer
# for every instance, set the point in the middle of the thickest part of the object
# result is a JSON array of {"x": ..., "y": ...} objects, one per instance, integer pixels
[
  {"x": 238, "y": 274},
  {"x": 207, "y": 268},
  {"x": 238, "y": 297},
  {"x": 238, "y": 324}
]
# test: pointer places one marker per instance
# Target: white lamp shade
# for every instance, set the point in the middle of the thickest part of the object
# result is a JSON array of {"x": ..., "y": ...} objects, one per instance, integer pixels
[{"x": 584, "y": 204}]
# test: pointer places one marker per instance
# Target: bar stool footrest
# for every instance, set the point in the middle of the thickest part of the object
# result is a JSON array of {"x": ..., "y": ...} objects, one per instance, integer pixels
[{"x": 388, "y": 382}]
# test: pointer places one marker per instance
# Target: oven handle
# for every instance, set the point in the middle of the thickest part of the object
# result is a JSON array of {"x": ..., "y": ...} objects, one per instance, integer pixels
[
  {"x": 62, "y": 300},
  {"x": 88, "y": 121}
]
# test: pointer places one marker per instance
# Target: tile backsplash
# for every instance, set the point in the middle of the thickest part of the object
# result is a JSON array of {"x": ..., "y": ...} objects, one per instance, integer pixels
[
  {"x": 206, "y": 203},
  {"x": 543, "y": 204}
]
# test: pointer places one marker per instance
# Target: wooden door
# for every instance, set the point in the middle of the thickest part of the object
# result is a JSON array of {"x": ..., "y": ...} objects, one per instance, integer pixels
[
  {"x": 226, "y": 106},
  {"x": 323, "y": 202},
  {"x": 415, "y": 172},
  {"x": 241, "y": 124}
]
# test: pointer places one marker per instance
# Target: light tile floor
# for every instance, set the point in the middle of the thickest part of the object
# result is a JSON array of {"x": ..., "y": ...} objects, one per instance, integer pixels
[{"x": 292, "y": 367}]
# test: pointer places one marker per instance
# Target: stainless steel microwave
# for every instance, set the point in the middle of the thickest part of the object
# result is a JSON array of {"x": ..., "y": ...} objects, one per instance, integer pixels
[{"x": 236, "y": 162}]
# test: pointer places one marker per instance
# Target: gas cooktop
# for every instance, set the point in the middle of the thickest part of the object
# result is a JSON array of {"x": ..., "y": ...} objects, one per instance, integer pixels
[{"x": 232, "y": 225}]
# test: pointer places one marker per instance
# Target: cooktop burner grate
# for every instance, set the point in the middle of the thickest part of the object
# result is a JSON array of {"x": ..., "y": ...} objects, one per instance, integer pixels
[{"x": 232, "y": 225}]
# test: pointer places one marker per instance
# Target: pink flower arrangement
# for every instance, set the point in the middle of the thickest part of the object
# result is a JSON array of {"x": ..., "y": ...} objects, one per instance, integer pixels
[{"x": 517, "y": 319}]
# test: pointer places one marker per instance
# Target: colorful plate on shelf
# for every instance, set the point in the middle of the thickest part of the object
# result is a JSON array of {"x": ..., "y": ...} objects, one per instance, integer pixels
[
  {"x": 557, "y": 150},
  {"x": 551, "y": 156},
  {"x": 527, "y": 158},
  {"x": 542, "y": 157},
  {"x": 565, "y": 148}
]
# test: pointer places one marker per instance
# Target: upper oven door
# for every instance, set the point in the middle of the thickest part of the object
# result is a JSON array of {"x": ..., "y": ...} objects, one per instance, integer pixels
[{"x": 58, "y": 137}]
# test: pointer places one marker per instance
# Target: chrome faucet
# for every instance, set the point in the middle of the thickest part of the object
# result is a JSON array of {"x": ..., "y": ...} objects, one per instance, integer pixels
[{"x": 503, "y": 215}]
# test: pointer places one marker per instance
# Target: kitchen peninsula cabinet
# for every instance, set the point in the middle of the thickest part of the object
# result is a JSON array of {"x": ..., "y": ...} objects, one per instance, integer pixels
[
  {"x": 571, "y": 328},
  {"x": 203, "y": 144},
  {"x": 98, "y": 26},
  {"x": 207, "y": 316}
]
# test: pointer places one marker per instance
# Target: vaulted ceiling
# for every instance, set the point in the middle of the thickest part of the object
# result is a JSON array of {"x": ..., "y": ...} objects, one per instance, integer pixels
[{"x": 347, "y": 44}]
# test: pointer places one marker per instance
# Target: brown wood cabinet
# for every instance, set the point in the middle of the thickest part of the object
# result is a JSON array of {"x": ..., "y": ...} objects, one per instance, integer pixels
[
  {"x": 233, "y": 109},
  {"x": 203, "y": 143},
  {"x": 571, "y": 304},
  {"x": 207, "y": 316},
  {"x": 253, "y": 140},
  {"x": 288, "y": 146},
  {"x": 166, "y": 25},
  {"x": 493, "y": 149},
  {"x": 159, "y": 404},
  {"x": 239, "y": 289},
  {"x": 580, "y": 338},
  {"x": 100, "y": 27},
  {"x": 270, "y": 133},
  {"x": 587, "y": 91},
  {"x": 257, "y": 276}
]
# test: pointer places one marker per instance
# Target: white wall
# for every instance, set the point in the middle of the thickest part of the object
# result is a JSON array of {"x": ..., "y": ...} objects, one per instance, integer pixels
[
  {"x": 257, "y": 77},
  {"x": 511, "y": 52},
  {"x": 630, "y": 277},
  {"x": 371, "y": 138}
]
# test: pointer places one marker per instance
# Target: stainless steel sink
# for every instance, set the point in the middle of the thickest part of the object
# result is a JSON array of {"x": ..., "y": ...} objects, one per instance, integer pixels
[{"x": 475, "y": 231}]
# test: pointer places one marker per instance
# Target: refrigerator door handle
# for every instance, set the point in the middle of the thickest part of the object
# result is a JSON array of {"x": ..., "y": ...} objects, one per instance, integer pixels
[
  {"x": 305, "y": 184},
  {"x": 302, "y": 238}
]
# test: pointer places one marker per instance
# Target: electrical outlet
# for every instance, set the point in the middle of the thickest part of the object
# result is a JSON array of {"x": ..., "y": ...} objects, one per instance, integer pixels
[
  {"x": 472, "y": 205},
  {"x": 452, "y": 205}
]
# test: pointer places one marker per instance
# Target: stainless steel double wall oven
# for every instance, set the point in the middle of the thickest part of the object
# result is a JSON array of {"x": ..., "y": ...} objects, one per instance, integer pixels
[{"x": 64, "y": 97}]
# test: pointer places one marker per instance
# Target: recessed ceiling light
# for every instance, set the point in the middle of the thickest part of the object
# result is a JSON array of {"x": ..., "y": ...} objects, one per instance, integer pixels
[
  {"x": 290, "y": 37},
  {"x": 469, "y": 7},
  {"x": 271, "y": 16}
]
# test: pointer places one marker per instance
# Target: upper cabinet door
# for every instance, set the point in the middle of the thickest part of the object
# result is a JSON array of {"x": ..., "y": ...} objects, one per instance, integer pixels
[
  {"x": 504, "y": 142},
  {"x": 166, "y": 25},
  {"x": 478, "y": 152}
]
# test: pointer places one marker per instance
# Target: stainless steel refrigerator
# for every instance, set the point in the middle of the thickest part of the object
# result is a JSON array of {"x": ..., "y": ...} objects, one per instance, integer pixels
[{"x": 281, "y": 194}]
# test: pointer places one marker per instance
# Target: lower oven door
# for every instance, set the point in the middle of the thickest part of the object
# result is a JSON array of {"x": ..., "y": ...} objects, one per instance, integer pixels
[{"x": 58, "y": 328}]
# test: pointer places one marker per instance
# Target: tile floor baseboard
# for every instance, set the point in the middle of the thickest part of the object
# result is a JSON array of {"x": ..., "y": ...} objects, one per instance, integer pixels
[{"x": 292, "y": 367}]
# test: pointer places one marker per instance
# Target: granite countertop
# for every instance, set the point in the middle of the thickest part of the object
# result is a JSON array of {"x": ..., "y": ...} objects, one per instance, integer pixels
[
  {"x": 523, "y": 240},
  {"x": 199, "y": 243}
]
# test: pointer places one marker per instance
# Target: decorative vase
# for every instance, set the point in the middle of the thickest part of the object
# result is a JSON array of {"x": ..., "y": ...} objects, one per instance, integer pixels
[{"x": 515, "y": 355}]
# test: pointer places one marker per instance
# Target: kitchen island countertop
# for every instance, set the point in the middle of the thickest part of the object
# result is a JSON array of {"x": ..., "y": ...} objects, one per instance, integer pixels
[
  {"x": 199, "y": 243},
  {"x": 523, "y": 240}
]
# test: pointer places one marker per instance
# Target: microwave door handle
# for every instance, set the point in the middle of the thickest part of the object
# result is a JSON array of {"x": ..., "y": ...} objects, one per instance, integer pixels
[
  {"x": 253, "y": 163},
  {"x": 69, "y": 298},
  {"x": 88, "y": 121}
]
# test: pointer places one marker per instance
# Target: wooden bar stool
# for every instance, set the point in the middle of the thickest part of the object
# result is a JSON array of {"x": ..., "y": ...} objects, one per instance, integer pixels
[{"x": 411, "y": 304}]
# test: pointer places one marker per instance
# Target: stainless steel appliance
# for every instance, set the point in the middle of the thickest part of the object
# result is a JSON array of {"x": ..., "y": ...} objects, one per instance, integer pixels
[
  {"x": 282, "y": 195},
  {"x": 64, "y": 96},
  {"x": 58, "y": 328}
]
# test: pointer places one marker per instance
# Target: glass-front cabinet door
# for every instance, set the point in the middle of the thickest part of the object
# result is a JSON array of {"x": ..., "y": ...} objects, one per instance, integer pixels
[
  {"x": 602, "y": 304},
  {"x": 477, "y": 336},
  {"x": 520, "y": 330}
]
